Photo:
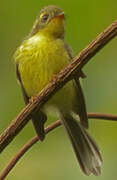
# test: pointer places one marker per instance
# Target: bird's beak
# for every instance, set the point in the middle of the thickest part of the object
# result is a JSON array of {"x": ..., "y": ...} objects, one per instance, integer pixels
[{"x": 61, "y": 15}]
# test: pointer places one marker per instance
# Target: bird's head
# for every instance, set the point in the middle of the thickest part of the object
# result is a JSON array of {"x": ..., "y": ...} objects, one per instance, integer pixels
[{"x": 51, "y": 21}]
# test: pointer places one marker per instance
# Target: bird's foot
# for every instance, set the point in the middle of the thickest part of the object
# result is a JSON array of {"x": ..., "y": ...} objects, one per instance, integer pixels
[
  {"x": 33, "y": 98},
  {"x": 53, "y": 78}
]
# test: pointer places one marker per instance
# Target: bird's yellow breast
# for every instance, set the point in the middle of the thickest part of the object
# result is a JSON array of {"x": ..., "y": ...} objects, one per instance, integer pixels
[{"x": 40, "y": 58}]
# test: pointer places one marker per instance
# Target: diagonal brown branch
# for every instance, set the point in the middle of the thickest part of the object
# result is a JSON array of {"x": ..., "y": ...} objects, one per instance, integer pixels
[
  {"x": 65, "y": 75},
  {"x": 51, "y": 127}
]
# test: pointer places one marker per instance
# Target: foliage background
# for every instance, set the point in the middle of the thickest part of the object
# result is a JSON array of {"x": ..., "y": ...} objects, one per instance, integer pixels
[{"x": 54, "y": 158}]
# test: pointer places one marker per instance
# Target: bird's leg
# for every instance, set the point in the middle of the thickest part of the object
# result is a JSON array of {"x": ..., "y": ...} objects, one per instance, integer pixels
[
  {"x": 53, "y": 78},
  {"x": 33, "y": 98}
]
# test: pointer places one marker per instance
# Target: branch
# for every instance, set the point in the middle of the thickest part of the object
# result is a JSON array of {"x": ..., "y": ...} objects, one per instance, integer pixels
[
  {"x": 25, "y": 148},
  {"x": 51, "y": 127},
  {"x": 102, "y": 116},
  {"x": 73, "y": 68}
]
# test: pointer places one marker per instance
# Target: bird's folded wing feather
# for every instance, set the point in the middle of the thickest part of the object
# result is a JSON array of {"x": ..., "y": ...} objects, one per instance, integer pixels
[
  {"x": 38, "y": 117},
  {"x": 82, "y": 107}
]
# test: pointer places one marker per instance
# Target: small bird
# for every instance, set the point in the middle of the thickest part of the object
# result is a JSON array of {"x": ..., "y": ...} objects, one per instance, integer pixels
[{"x": 40, "y": 57}]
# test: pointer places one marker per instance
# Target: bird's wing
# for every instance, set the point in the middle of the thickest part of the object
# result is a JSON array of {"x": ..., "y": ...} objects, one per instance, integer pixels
[
  {"x": 82, "y": 107},
  {"x": 69, "y": 50},
  {"x": 26, "y": 98},
  {"x": 38, "y": 117}
]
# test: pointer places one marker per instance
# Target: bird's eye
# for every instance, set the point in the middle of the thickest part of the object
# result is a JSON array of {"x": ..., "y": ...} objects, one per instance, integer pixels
[{"x": 44, "y": 17}]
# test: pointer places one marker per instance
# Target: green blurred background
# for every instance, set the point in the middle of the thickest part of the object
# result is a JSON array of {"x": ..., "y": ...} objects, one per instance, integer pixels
[{"x": 54, "y": 158}]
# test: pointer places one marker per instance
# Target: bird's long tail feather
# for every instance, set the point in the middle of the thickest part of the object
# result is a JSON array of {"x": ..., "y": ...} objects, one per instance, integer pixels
[{"x": 85, "y": 148}]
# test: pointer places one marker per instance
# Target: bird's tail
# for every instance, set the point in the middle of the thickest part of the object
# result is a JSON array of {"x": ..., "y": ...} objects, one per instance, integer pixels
[{"x": 85, "y": 148}]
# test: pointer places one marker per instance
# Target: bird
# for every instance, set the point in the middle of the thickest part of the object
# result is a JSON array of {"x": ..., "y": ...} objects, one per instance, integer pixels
[{"x": 40, "y": 57}]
